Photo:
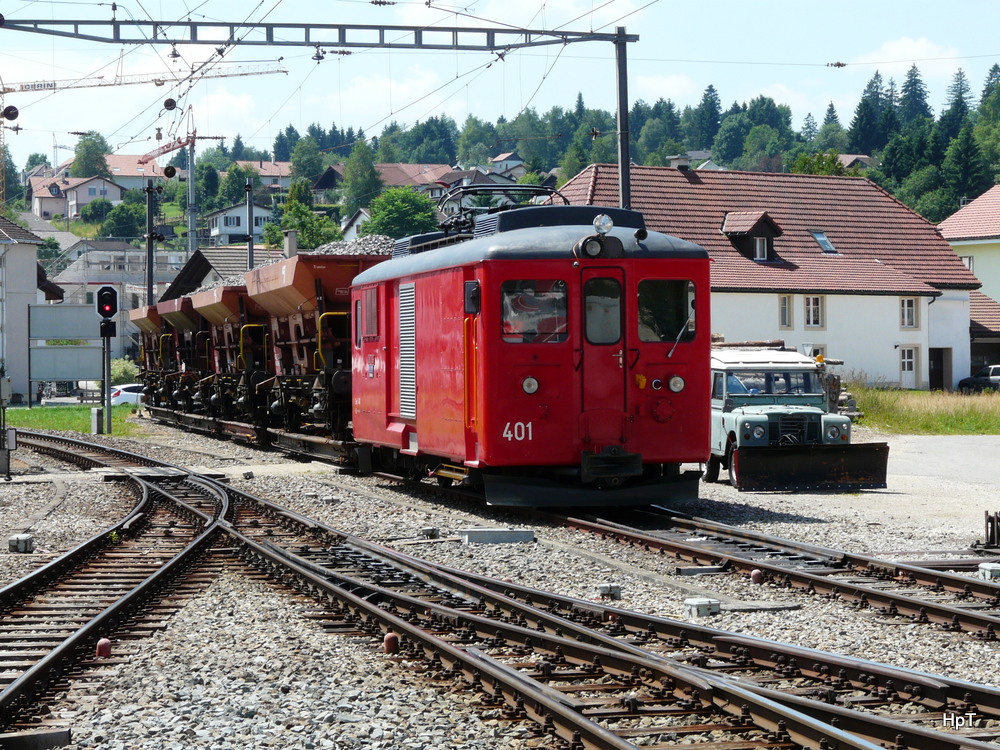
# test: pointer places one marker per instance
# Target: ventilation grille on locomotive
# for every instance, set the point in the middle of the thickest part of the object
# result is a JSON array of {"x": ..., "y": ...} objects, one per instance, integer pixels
[{"x": 407, "y": 351}]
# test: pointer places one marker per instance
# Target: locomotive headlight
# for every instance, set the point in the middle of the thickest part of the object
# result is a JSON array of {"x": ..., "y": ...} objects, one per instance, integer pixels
[
  {"x": 676, "y": 384},
  {"x": 592, "y": 247},
  {"x": 758, "y": 432},
  {"x": 832, "y": 432},
  {"x": 603, "y": 224},
  {"x": 529, "y": 385}
]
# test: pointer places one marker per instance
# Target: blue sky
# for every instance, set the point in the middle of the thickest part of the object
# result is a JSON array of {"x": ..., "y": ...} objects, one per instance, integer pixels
[{"x": 777, "y": 48}]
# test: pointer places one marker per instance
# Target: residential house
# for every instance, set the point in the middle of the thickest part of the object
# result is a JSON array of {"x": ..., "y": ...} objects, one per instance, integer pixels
[
  {"x": 127, "y": 171},
  {"x": 974, "y": 233},
  {"x": 855, "y": 161},
  {"x": 421, "y": 177},
  {"x": 228, "y": 225},
  {"x": 353, "y": 223},
  {"x": 274, "y": 175},
  {"x": 509, "y": 165},
  {"x": 22, "y": 283},
  {"x": 66, "y": 196},
  {"x": 831, "y": 265}
]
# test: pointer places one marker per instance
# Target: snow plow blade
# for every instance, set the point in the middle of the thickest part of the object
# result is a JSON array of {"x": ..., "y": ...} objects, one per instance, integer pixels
[{"x": 860, "y": 466}]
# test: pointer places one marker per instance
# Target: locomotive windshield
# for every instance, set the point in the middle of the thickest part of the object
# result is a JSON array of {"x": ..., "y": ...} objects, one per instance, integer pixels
[
  {"x": 666, "y": 310},
  {"x": 533, "y": 310}
]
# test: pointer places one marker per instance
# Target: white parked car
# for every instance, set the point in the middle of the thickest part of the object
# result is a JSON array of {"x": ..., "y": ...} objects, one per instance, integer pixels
[{"x": 127, "y": 394}]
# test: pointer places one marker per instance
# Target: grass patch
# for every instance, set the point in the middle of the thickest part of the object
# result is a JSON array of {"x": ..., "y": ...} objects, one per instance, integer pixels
[
  {"x": 928, "y": 412},
  {"x": 74, "y": 418}
]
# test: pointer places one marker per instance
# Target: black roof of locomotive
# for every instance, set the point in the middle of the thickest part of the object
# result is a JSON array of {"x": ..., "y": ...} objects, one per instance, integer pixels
[{"x": 529, "y": 233}]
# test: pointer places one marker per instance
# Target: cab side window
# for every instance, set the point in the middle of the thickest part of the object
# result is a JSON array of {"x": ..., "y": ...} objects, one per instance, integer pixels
[{"x": 533, "y": 311}]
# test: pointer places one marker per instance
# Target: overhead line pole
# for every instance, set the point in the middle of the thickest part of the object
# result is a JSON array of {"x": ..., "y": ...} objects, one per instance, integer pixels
[{"x": 350, "y": 36}]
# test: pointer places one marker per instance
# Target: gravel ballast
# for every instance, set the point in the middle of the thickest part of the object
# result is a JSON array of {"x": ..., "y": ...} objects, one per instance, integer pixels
[{"x": 240, "y": 667}]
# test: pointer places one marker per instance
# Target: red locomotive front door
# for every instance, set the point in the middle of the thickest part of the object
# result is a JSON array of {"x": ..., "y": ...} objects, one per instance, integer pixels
[{"x": 604, "y": 366}]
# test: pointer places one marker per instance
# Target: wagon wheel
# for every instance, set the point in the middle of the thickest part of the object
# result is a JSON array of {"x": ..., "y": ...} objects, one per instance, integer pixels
[{"x": 710, "y": 472}]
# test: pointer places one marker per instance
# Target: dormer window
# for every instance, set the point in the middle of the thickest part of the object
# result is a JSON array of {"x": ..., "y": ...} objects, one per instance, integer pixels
[
  {"x": 752, "y": 234},
  {"x": 823, "y": 241},
  {"x": 760, "y": 248}
]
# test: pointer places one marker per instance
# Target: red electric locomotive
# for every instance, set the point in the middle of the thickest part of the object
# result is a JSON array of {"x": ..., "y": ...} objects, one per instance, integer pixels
[{"x": 553, "y": 354}]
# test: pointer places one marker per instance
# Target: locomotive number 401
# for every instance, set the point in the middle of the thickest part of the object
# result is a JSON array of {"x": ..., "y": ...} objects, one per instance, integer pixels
[{"x": 518, "y": 431}]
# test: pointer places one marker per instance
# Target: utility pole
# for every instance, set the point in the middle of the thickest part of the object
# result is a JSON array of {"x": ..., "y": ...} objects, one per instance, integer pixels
[
  {"x": 249, "y": 189},
  {"x": 624, "y": 152}
]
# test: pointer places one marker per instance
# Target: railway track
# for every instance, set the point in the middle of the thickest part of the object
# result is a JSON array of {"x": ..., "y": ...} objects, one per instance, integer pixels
[
  {"x": 585, "y": 673},
  {"x": 949, "y": 601}
]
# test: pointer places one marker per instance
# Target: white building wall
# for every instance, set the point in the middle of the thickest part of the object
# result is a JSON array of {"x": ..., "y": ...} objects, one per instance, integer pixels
[
  {"x": 985, "y": 262},
  {"x": 19, "y": 287},
  {"x": 863, "y": 331},
  {"x": 948, "y": 318}
]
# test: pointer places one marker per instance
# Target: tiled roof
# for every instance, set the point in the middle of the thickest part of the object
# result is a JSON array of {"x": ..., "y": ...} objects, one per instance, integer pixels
[
  {"x": 127, "y": 165},
  {"x": 11, "y": 232},
  {"x": 978, "y": 220},
  {"x": 862, "y": 221},
  {"x": 40, "y": 185},
  {"x": 268, "y": 168},
  {"x": 984, "y": 314},
  {"x": 399, "y": 175}
]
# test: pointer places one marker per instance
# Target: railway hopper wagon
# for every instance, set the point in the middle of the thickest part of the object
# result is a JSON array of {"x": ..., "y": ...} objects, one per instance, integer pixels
[
  {"x": 555, "y": 355},
  {"x": 304, "y": 387}
]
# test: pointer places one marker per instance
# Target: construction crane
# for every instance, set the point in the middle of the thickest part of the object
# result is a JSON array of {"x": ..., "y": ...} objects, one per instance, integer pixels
[{"x": 158, "y": 79}]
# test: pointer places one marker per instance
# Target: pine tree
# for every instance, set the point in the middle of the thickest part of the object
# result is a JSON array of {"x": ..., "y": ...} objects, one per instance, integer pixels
[
  {"x": 964, "y": 168},
  {"x": 705, "y": 121},
  {"x": 913, "y": 98},
  {"x": 992, "y": 80},
  {"x": 831, "y": 117},
  {"x": 954, "y": 118},
  {"x": 809, "y": 128}
]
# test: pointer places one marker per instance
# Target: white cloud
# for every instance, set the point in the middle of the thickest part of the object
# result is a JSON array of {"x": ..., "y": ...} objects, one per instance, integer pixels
[
  {"x": 893, "y": 58},
  {"x": 681, "y": 89}
]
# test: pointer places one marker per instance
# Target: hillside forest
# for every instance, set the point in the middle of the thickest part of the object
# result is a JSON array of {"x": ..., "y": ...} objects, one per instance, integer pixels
[{"x": 930, "y": 160}]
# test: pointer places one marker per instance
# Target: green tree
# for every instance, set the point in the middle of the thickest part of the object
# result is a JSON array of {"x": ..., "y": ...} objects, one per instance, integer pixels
[
  {"x": 12, "y": 185},
  {"x": 362, "y": 183},
  {"x": 826, "y": 162},
  {"x": 272, "y": 234},
  {"x": 872, "y": 125},
  {"x": 728, "y": 145},
  {"x": 913, "y": 98},
  {"x": 307, "y": 161},
  {"x": 206, "y": 182},
  {"x": 312, "y": 229},
  {"x": 992, "y": 82},
  {"x": 954, "y": 118},
  {"x": 96, "y": 211},
  {"x": 126, "y": 220},
  {"x": 705, "y": 120},
  {"x": 89, "y": 156},
  {"x": 400, "y": 212},
  {"x": 35, "y": 160},
  {"x": 233, "y": 188},
  {"x": 964, "y": 169},
  {"x": 301, "y": 191},
  {"x": 831, "y": 117},
  {"x": 809, "y": 128},
  {"x": 217, "y": 156},
  {"x": 762, "y": 150},
  {"x": 476, "y": 142}
]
